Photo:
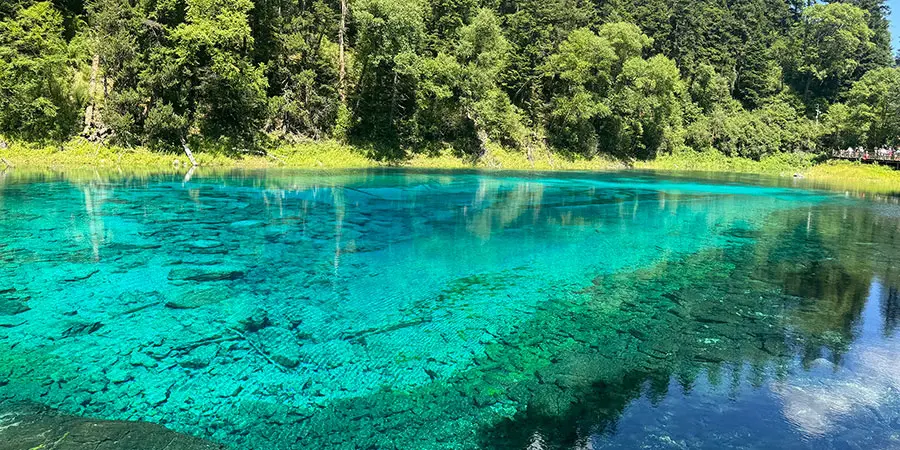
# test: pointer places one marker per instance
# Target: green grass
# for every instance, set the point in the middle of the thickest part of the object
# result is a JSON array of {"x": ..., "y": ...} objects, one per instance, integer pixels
[
  {"x": 786, "y": 164},
  {"x": 855, "y": 171},
  {"x": 844, "y": 175},
  {"x": 855, "y": 176},
  {"x": 80, "y": 154}
]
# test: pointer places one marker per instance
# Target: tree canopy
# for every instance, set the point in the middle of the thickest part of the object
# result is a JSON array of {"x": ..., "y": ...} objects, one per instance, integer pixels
[{"x": 630, "y": 78}]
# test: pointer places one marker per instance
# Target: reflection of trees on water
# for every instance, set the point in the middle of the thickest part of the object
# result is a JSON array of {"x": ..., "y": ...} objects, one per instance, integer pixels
[
  {"x": 747, "y": 312},
  {"x": 635, "y": 334},
  {"x": 94, "y": 196},
  {"x": 890, "y": 310},
  {"x": 497, "y": 205},
  {"x": 824, "y": 295}
]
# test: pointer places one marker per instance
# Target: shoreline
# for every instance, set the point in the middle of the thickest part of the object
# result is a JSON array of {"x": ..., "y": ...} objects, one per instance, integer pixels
[{"x": 80, "y": 155}]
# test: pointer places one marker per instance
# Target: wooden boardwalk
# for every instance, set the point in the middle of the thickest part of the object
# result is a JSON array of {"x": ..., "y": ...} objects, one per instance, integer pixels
[{"x": 884, "y": 157}]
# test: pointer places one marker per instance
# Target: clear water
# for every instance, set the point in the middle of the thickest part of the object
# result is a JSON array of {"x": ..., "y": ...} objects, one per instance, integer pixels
[{"x": 416, "y": 310}]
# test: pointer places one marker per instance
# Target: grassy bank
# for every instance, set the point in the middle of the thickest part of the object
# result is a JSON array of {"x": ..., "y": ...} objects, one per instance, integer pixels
[
  {"x": 312, "y": 155},
  {"x": 80, "y": 154}
]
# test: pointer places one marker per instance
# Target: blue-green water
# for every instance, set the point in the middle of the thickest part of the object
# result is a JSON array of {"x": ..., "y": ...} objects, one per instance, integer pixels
[{"x": 415, "y": 310}]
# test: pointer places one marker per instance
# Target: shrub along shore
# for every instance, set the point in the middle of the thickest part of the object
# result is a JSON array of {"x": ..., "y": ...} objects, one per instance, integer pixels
[{"x": 79, "y": 154}]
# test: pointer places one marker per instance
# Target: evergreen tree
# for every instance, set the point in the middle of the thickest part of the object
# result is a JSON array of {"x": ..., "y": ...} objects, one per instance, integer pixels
[{"x": 40, "y": 95}]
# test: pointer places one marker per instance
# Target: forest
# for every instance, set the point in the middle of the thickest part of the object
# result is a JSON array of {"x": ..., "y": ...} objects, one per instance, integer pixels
[{"x": 625, "y": 78}]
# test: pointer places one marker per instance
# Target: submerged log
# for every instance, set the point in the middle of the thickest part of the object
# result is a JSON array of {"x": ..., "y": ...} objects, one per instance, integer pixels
[{"x": 189, "y": 174}]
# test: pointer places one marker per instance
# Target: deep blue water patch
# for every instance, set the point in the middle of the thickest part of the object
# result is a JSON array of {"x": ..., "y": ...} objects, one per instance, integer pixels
[{"x": 393, "y": 309}]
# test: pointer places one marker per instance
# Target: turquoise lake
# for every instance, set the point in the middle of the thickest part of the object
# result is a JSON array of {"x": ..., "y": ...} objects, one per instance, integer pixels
[{"x": 395, "y": 309}]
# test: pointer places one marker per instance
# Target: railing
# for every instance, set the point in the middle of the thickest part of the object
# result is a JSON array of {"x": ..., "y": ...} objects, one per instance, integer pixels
[{"x": 881, "y": 154}]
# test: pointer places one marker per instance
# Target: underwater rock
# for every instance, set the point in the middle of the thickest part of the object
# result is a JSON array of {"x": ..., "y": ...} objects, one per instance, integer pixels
[
  {"x": 139, "y": 300},
  {"x": 156, "y": 395},
  {"x": 247, "y": 224},
  {"x": 821, "y": 363},
  {"x": 10, "y": 322},
  {"x": 273, "y": 412},
  {"x": 252, "y": 320},
  {"x": 142, "y": 359},
  {"x": 280, "y": 345},
  {"x": 206, "y": 243},
  {"x": 198, "y": 274},
  {"x": 330, "y": 354},
  {"x": 80, "y": 328},
  {"x": 199, "y": 298},
  {"x": 117, "y": 375},
  {"x": 199, "y": 357},
  {"x": 13, "y": 306},
  {"x": 27, "y": 426},
  {"x": 91, "y": 384},
  {"x": 159, "y": 351}
]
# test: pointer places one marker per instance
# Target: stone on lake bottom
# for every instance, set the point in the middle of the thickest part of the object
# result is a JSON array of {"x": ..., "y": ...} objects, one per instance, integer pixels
[
  {"x": 206, "y": 243},
  {"x": 200, "y": 357},
  {"x": 198, "y": 298},
  {"x": 280, "y": 345},
  {"x": 13, "y": 306},
  {"x": 196, "y": 274}
]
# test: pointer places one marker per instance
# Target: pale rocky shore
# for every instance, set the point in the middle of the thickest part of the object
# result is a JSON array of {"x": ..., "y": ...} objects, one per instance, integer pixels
[{"x": 26, "y": 426}]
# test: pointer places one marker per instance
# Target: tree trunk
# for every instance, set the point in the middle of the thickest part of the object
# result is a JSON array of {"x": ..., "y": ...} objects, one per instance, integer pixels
[
  {"x": 806, "y": 89},
  {"x": 188, "y": 152},
  {"x": 342, "y": 65},
  {"x": 393, "y": 98},
  {"x": 90, "y": 113},
  {"x": 529, "y": 147},
  {"x": 479, "y": 133}
]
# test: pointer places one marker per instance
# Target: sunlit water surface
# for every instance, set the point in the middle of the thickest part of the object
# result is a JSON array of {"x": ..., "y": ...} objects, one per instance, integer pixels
[{"x": 415, "y": 310}]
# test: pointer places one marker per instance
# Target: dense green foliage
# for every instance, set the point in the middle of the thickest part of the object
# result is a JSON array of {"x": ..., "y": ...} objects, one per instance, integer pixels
[
  {"x": 38, "y": 83},
  {"x": 629, "y": 78}
]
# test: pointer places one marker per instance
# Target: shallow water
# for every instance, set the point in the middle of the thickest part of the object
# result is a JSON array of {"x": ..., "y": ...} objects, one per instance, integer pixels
[{"x": 393, "y": 309}]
